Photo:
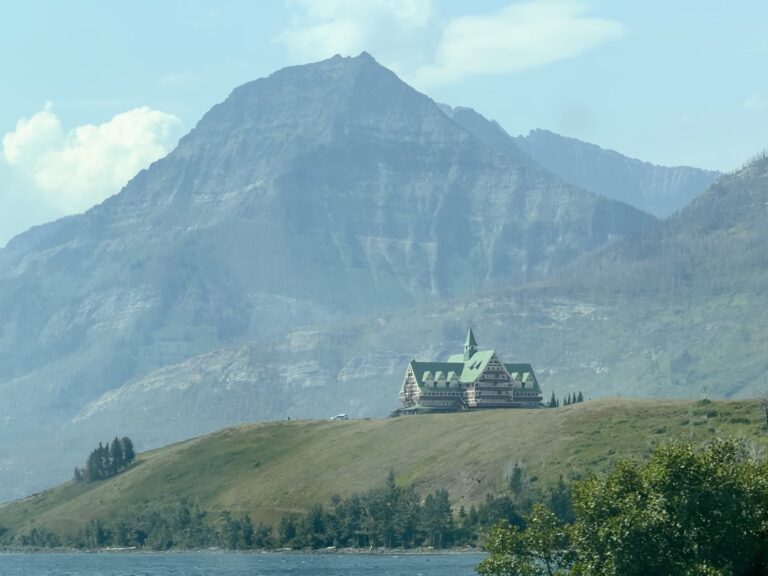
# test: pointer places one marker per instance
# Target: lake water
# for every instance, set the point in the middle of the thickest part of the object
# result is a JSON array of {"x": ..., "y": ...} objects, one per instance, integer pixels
[{"x": 219, "y": 564}]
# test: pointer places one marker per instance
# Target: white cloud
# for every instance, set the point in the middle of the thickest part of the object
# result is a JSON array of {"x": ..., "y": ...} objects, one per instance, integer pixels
[
  {"x": 517, "y": 37},
  {"x": 74, "y": 170},
  {"x": 756, "y": 101},
  {"x": 411, "y": 37},
  {"x": 395, "y": 30}
]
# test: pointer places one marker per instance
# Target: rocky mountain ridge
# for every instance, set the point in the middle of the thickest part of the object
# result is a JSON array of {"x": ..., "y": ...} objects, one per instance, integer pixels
[
  {"x": 675, "y": 312},
  {"x": 320, "y": 194},
  {"x": 659, "y": 190}
]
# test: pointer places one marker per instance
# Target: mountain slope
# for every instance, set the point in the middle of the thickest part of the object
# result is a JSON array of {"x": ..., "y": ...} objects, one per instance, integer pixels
[
  {"x": 713, "y": 246},
  {"x": 660, "y": 190},
  {"x": 271, "y": 469},
  {"x": 321, "y": 193},
  {"x": 675, "y": 312}
]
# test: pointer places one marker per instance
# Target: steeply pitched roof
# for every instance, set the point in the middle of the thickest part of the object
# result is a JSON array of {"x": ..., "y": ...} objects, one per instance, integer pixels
[
  {"x": 470, "y": 341},
  {"x": 525, "y": 372},
  {"x": 473, "y": 367},
  {"x": 469, "y": 370},
  {"x": 419, "y": 368}
]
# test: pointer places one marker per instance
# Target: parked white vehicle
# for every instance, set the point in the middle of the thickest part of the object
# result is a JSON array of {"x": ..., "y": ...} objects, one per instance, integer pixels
[{"x": 339, "y": 417}]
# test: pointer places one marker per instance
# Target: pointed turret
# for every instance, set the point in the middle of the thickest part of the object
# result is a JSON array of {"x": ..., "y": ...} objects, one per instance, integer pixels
[{"x": 470, "y": 345}]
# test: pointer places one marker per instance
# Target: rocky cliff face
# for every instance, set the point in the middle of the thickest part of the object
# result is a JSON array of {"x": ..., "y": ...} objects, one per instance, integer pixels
[
  {"x": 318, "y": 194},
  {"x": 659, "y": 190}
]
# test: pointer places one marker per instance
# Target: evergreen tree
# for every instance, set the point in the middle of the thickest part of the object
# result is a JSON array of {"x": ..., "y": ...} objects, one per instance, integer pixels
[
  {"x": 106, "y": 460},
  {"x": 580, "y": 398},
  {"x": 437, "y": 520},
  {"x": 287, "y": 529},
  {"x": 559, "y": 502},
  {"x": 230, "y": 531},
  {"x": 117, "y": 458},
  {"x": 129, "y": 453},
  {"x": 552, "y": 401},
  {"x": 105, "y": 464},
  {"x": 262, "y": 537},
  {"x": 473, "y": 518},
  {"x": 247, "y": 533},
  {"x": 516, "y": 481}
]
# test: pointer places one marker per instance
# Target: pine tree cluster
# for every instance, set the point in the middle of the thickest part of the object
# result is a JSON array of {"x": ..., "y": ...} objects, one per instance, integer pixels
[
  {"x": 107, "y": 460},
  {"x": 570, "y": 399}
]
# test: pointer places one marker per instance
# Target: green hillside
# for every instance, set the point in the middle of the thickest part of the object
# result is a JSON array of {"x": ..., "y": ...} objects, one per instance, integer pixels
[{"x": 270, "y": 469}]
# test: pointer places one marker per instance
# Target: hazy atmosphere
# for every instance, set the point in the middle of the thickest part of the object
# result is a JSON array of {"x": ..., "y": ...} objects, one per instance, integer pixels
[
  {"x": 439, "y": 288},
  {"x": 105, "y": 89}
]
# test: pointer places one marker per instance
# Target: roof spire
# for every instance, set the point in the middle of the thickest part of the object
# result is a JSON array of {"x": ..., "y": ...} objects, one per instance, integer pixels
[{"x": 470, "y": 345}]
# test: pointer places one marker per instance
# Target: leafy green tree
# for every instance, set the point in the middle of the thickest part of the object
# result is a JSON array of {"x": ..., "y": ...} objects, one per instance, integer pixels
[
  {"x": 497, "y": 508},
  {"x": 539, "y": 549},
  {"x": 683, "y": 512}
]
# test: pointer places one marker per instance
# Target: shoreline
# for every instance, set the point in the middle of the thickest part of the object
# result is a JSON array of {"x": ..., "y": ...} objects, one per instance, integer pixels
[{"x": 322, "y": 551}]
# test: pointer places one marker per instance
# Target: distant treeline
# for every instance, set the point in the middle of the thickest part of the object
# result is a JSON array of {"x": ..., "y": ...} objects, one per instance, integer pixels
[
  {"x": 390, "y": 516},
  {"x": 570, "y": 399},
  {"x": 684, "y": 511},
  {"x": 107, "y": 460}
]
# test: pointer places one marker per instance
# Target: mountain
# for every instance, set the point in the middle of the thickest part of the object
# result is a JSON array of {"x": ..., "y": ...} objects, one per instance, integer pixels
[
  {"x": 659, "y": 190},
  {"x": 713, "y": 246},
  {"x": 490, "y": 133},
  {"x": 319, "y": 195},
  {"x": 674, "y": 312},
  {"x": 271, "y": 469}
]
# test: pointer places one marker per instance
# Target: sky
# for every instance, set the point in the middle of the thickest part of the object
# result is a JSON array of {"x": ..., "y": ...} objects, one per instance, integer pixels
[{"x": 93, "y": 91}]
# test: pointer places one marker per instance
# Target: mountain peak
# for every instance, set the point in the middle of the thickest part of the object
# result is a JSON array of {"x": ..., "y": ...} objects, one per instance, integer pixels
[
  {"x": 307, "y": 105},
  {"x": 366, "y": 56}
]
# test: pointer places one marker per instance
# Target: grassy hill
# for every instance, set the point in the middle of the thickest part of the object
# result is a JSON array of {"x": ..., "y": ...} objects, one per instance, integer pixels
[{"x": 269, "y": 469}]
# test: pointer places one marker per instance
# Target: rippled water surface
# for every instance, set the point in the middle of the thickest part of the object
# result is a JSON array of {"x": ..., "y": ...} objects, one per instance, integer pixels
[{"x": 209, "y": 564}]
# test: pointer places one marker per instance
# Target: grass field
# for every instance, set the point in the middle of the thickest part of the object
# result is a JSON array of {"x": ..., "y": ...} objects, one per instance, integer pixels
[{"x": 269, "y": 469}]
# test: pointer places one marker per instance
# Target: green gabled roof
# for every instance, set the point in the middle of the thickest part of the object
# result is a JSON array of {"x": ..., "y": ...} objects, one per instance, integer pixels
[
  {"x": 470, "y": 341},
  {"x": 473, "y": 367},
  {"x": 525, "y": 371},
  {"x": 419, "y": 368},
  {"x": 468, "y": 371}
]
